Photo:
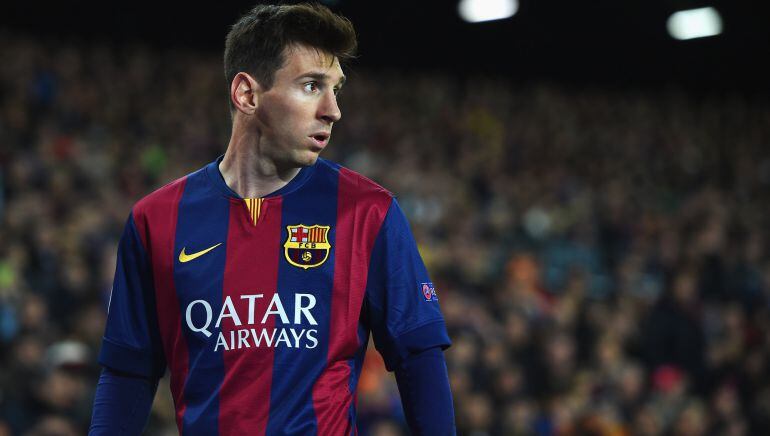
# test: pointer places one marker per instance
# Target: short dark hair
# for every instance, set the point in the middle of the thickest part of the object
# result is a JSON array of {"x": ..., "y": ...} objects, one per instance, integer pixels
[{"x": 256, "y": 43}]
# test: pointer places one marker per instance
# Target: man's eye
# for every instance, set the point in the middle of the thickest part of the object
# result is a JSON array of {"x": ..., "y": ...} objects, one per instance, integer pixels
[
  {"x": 337, "y": 91},
  {"x": 311, "y": 86}
]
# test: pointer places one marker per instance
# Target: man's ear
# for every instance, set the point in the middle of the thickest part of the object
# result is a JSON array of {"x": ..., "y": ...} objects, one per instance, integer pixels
[{"x": 244, "y": 93}]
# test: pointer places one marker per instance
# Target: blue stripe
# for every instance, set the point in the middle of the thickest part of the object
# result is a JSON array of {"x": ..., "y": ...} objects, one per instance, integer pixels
[
  {"x": 132, "y": 338},
  {"x": 295, "y": 369},
  {"x": 203, "y": 222}
]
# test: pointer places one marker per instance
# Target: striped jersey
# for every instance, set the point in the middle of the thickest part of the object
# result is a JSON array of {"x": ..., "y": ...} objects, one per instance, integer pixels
[{"x": 261, "y": 309}]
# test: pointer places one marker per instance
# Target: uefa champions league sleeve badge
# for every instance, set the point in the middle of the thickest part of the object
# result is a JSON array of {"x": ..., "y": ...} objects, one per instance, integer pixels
[{"x": 428, "y": 291}]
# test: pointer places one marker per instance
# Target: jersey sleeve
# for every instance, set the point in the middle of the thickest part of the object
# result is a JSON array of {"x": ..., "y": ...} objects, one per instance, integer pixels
[
  {"x": 402, "y": 306},
  {"x": 131, "y": 341}
]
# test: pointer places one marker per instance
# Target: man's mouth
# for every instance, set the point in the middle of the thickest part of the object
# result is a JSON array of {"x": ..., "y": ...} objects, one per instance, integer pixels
[{"x": 321, "y": 138}]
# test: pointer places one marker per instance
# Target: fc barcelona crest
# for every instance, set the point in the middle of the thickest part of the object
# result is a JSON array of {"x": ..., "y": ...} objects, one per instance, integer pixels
[{"x": 307, "y": 246}]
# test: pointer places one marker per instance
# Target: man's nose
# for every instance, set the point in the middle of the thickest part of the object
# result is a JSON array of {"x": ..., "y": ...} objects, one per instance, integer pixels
[{"x": 329, "y": 110}]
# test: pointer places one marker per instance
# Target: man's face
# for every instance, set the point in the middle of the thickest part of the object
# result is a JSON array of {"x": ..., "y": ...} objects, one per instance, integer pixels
[{"x": 295, "y": 116}]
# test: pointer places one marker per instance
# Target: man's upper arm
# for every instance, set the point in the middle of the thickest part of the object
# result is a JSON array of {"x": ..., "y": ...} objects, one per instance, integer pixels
[
  {"x": 131, "y": 340},
  {"x": 404, "y": 313}
]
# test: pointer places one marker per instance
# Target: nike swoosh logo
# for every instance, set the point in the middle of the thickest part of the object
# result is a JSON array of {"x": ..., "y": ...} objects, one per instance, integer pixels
[{"x": 183, "y": 257}]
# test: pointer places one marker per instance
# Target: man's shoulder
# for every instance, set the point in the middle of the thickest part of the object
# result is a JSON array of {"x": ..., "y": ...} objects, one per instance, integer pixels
[
  {"x": 355, "y": 184},
  {"x": 162, "y": 200}
]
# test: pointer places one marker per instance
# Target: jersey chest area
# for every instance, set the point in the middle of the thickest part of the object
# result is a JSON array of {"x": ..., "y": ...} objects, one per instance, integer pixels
[
  {"x": 253, "y": 239},
  {"x": 256, "y": 281},
  {"x": 299, "y": 251}
]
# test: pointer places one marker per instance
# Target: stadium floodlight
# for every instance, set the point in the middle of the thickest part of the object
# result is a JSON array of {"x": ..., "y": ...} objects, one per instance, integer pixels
[
  {"x": 476, "y": 11},
  {"x": 694, "y": 23}
]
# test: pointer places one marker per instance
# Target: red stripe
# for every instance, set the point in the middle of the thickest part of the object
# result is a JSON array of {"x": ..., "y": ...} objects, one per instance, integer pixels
[
  {"x": 251, "y": 268},
  {"x": 361, "y": 209},
  {"x": 156, "y": 217}
]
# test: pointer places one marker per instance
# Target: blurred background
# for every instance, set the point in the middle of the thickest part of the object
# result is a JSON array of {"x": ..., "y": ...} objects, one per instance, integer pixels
[{"x": 589, "y": 185}]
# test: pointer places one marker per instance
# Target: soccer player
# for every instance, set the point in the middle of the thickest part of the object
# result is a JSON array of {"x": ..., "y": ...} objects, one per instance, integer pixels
[{"x": 257, "y": 279}]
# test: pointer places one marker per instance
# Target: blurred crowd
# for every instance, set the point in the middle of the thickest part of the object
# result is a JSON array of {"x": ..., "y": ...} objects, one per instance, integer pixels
[{"x": 601, "y": 255}]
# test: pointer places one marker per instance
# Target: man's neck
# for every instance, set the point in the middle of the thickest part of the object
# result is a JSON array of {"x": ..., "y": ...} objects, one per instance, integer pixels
[{"x": 249, "y": 172}]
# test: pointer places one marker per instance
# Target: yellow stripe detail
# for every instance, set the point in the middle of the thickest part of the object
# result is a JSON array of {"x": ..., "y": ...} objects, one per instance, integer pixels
[
  {"x": 254, "y": 206},
  {"x": 250, "y": 206}
]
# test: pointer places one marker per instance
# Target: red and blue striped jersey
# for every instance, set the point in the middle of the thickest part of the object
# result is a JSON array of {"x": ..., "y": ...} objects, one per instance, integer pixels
[{"x": 261, "y": 309}]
